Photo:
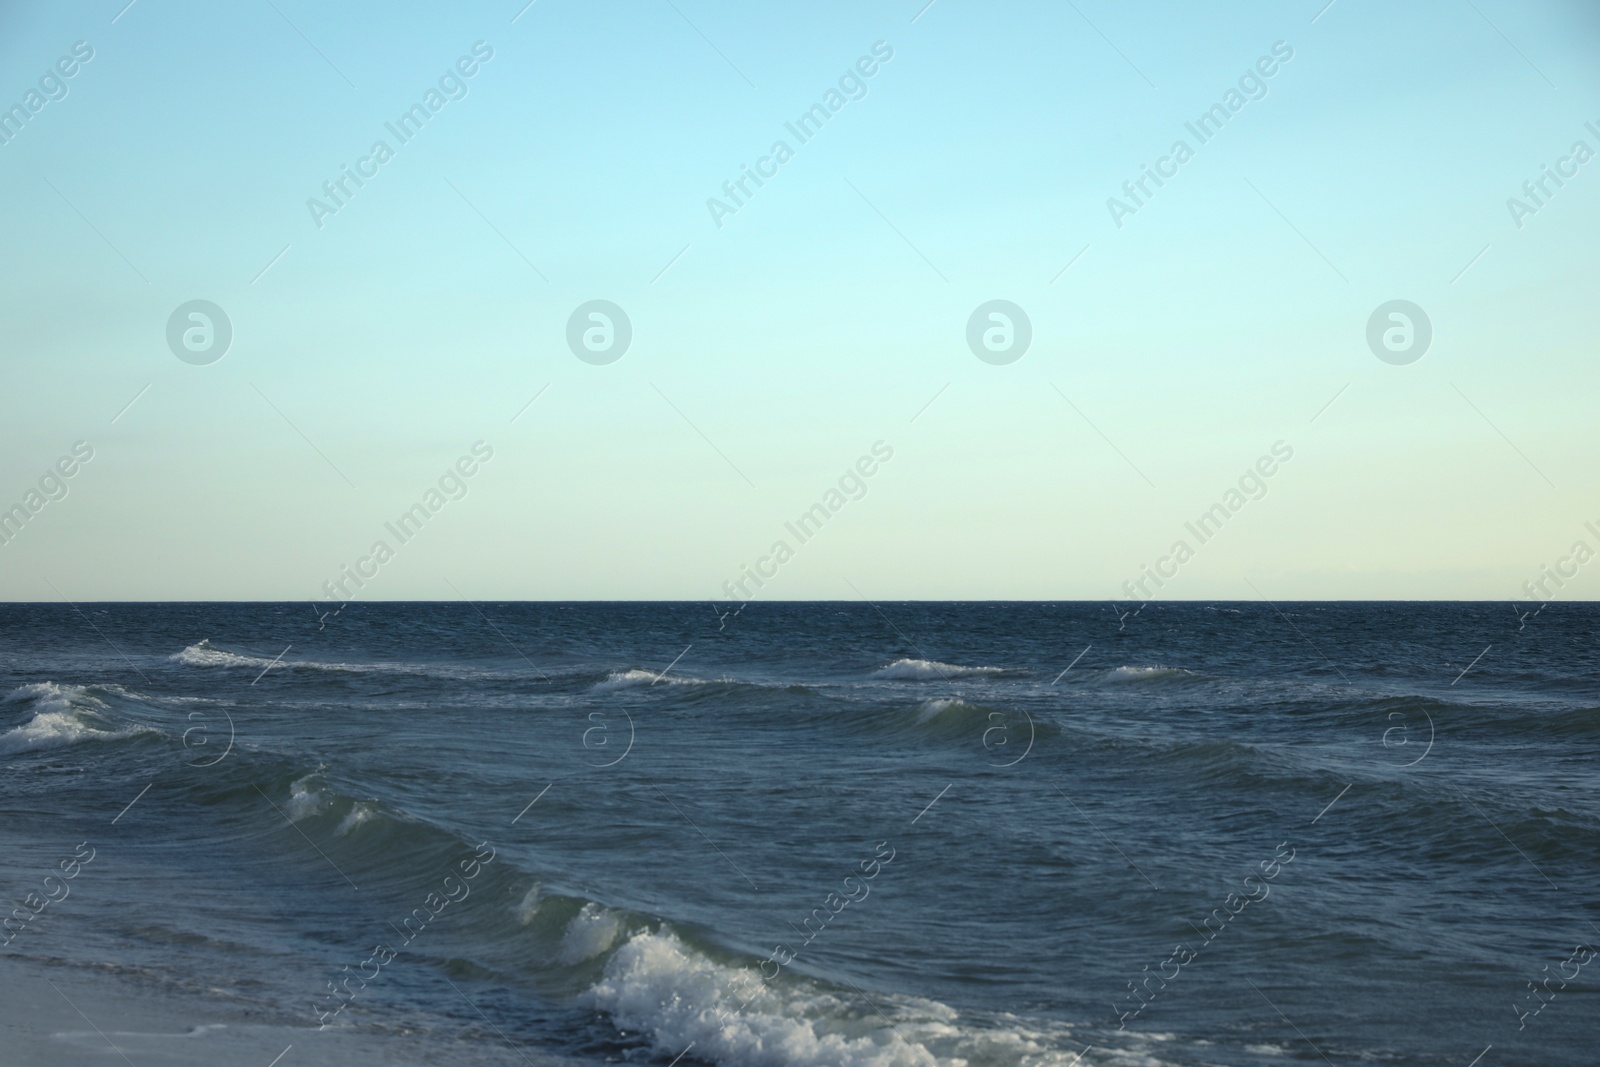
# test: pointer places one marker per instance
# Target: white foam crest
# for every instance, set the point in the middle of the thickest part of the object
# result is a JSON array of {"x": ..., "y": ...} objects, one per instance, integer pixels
[
  {"x": 305, "y": 798},
  {"x": 529, "y": 905},
  {"x": 591, "y": 932},
  {"x": 629, "y": 678},
  {"x": 656, "y": 985},
  {"x": 653, "y": 984},
  {"x": 54, "y": 729},
  {"x": 203, "y": 655},
  {"x": 52, "y": 696},
  {"x": 924, "y": 670},
  {"x": 933, "y": 709},
  {"x": 63, "y": 715},
  {"x": 360, "y": 813}
]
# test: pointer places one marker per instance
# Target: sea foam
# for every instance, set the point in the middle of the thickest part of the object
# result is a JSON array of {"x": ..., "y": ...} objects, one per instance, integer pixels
[
  {"x": 927, "y": 670},
  {"x": 659, "y": 986},
  {"x": 63, "y": 715},
  {"x": 635, "y": 676}
]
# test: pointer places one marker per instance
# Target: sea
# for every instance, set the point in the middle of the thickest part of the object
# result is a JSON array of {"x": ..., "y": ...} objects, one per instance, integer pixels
[{"x": 854, "y": 834}]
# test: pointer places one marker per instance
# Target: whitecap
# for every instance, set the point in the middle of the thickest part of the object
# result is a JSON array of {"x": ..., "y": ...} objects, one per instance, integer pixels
[
  {"x": 305, "y": 798},
  {"x": 925, "y": 670},
  {"x": 930, "y": 710},
  {"x": 63, "y": 715},
  {"x": 629, "y": 678},
  {"x": 52, "y": 696},
  {"x": 529, "y": 905},
  {"x": 656, "y": 985},
  {"x": 359, "y": 814},
  {"x": 592, "y": 931},
  {"x": 203, "y": 655}
]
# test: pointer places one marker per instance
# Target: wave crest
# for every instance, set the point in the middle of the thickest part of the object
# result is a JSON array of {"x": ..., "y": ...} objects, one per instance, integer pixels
[
  {"x": 306, "y": 798},
  {"x": 658, "y": 986},
  {"x": 926, "y": 670},
  {"x": 591, "y": 932},
  {"x": 203, "y": 655},
  {"x": 635, "y": 676},
  {"x": 676, "y": 995},
  {"x": 360, "y": 813},
  {"x": 948, "y": 709},
  {"x": 63, "y": 715}
]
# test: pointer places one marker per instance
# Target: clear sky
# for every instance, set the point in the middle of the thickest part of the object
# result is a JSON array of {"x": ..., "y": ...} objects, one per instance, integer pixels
[{"x": 775, "y": 339}]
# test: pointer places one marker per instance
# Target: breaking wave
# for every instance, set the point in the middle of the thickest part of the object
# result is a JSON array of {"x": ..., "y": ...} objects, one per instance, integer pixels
[
  {"x": 927, "y": 670},
  {"x": 635, "y": 676},
  {"x": 62, "y": 715},
  {"x": 660, "y": 986}
]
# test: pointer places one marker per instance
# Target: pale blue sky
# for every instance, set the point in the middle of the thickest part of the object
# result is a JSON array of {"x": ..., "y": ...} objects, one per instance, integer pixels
[{"x": 822, "y": 317}]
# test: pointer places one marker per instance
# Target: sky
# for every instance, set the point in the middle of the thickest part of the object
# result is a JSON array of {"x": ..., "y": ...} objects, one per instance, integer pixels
[{"x": 777, "y": 335}]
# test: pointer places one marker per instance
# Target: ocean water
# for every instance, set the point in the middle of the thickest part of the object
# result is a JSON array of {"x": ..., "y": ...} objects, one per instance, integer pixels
[{"x": 842, "y": 834}]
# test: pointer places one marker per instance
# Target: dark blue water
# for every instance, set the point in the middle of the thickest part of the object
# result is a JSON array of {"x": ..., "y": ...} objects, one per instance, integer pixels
[{"x": 898, "y": 835}]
